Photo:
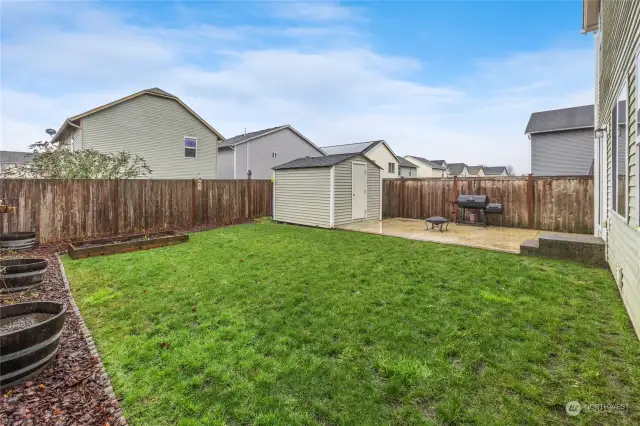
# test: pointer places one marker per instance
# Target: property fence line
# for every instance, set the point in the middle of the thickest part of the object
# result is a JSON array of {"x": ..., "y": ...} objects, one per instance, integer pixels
[
  {"x": 60, "y": 210},
  {"x": 559, "y": 203}
]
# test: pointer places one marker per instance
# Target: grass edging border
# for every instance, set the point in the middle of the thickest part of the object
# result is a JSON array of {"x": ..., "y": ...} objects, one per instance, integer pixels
[{"x": 119, "y": 418}]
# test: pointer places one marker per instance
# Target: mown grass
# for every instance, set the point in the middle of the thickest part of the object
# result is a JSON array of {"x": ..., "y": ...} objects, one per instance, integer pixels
[{"x": 276, "y": 324}]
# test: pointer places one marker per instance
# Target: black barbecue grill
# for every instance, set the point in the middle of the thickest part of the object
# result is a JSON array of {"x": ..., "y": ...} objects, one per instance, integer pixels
[{"x": 481, "y": 204}]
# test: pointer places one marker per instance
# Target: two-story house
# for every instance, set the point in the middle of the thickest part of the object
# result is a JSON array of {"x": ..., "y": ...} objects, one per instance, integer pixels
[
  {"x": 258, "y": 152},
  {"x": 175, "y": 142},
  {"x": 377, "y": 151},
  {"x": 426, "y": 168},
  {"x": 615, "y": 25}
]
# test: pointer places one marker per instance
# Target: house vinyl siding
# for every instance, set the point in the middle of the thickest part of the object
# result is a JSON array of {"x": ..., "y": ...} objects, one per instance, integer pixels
[
  {"x": 563, "y": 153},
  {"x": 343, "y": 192},
  {"x": 225, "y": 163},
  {"x": 382, "y": 157},
  {"x": 423, "y": 170},
  {"x": 408, "y": 171},
  {"x": 258, "y": 153},
  {"x": 619, "y": 43},
  {"x": 302, "y": 196},
  {"x": 154, "y": 128}
]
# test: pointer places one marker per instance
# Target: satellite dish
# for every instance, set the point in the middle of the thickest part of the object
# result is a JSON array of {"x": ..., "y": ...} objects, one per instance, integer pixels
[{"x": 50, "y": 132}]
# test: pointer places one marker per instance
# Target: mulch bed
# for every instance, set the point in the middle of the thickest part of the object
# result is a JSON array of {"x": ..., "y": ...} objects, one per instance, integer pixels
[{"x": 70, "y": 390}]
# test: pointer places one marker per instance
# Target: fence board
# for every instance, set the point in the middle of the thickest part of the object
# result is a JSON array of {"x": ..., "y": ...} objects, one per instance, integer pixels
[
  {"x": 563, "y": 204},
  {"x": 60, "y": 210}
]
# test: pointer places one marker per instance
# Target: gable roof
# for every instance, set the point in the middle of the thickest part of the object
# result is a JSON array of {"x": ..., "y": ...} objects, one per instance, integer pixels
[
  {"x": 474, "y": 170},
  {"x": 456, "y": 168},
  {"x": 406, "y": 163},
  {"x": 326, "y": 161},
  {"x": 350, "y": 148},
  {"x": 154, "y": 91},
  {"x": 246, "y": 137},
  {"x": 581, "y": 117},
  {"x": 440, "y": 162},
  {"x": 495, "y": 170},
  {"x": 431, "y": 164}
]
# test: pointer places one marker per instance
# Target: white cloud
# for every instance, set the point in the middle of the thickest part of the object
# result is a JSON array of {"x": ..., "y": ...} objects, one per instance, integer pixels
[
  {"x": 334, "y": 89},
  {"x": 314, "y": 11}
]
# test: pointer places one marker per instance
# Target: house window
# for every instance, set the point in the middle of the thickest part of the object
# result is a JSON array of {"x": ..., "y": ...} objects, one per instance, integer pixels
[
  {"x": 190, "y": 147},
  {"x": 620, "y": 145},
  {"x": 274, "y": 154},
  {"x": 392, "y": 167}
]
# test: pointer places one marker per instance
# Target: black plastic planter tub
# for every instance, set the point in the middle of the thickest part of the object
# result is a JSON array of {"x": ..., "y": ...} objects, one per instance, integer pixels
[
  {"x": 29, "y": 337},
  {"x": 17, "y": 240},
  {"x": 21, "y": 274}
]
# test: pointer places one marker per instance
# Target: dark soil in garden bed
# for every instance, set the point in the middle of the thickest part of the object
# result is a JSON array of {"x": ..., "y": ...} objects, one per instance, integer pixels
[
  {"x": 120, "y": 240},
  {"x": 69, "y": 391}
]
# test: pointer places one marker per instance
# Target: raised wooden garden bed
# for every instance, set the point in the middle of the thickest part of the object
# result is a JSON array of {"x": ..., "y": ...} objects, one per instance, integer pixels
[{"x": 124, "y": 244}]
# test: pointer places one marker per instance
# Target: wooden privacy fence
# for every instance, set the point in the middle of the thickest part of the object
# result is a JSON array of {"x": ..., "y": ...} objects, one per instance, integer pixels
[
  {"x": 563, "y": 204},
  {"x": 61, "y": 210}
]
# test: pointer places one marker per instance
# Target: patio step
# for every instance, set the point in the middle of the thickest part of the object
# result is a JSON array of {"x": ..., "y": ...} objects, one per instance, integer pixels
[{"x": 585, "y": 249}]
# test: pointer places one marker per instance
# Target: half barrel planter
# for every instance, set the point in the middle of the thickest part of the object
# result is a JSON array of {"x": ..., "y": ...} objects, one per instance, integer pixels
[
  {"x": 18, "y": 241},
  {"x": 21, "y": 274},
  {"x": 27, "y": 349}
]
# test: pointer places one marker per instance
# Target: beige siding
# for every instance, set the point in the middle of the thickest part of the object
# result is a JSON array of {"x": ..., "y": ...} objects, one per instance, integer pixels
[
  {"x": 623, "y": 251},
  {"x": 302, "y": 196},
  {"x": 153, "y": 128},
  {"x": 620, "y": 39},
  {"x": 382, "y": 157},
  {"x": 343, "y": 194}
]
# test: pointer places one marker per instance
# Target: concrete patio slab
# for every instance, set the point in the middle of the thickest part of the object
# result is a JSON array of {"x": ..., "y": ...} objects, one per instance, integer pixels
[{"x": 491, "y": 238}]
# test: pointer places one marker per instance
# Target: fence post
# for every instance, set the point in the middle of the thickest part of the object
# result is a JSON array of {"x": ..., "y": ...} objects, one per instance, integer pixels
[
  {"x": 401, "y": 196},
  {"x": 454, "y": 190},
  {"x": 194, "y": 216},
  {"x": 530, "y": 218}
]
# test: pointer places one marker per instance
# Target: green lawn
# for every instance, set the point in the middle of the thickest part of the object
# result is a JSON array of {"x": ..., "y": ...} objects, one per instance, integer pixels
[{"x": 275, "y": 324}]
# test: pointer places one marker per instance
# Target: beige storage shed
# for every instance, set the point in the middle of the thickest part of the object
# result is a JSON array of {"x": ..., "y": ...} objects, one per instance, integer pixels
[{"x": 327, "y": 191}]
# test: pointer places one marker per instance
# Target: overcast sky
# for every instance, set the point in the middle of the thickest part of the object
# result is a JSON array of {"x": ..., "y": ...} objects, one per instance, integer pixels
[{"x": 441, "y": 80}]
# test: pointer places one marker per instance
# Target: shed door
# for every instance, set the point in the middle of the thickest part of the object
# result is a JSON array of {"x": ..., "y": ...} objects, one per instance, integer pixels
[{"x": 359, "y": 190}]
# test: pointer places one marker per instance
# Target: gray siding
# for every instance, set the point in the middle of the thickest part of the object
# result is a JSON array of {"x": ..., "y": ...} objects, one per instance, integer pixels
[
  {"x": 408, "y": 171},
  {"x": 302, "y": 196},
  {"x": 562, "y": 153},
  {"x": 623, "y": 251},
  {"x": 225, "y": 163},
  {"x": 343, "y": 193},
  {"x": 285, "y": 143},
  {"x": 619, "y": 44},
  {"x": 153, "y": 128}
]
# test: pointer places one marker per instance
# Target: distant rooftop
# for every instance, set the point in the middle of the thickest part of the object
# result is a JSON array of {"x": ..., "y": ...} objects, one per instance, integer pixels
[
  {"x": 349, "y": 148},
  {"x": 580, "y": 117}
]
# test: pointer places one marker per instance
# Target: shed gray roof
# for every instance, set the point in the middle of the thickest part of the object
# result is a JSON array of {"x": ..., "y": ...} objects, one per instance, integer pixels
[
  {"x": 349, "y": 148},
  {"x": 241, "y": 138},
  {"x": 406, "y": 163},
  {"x": 310, "y": 162},
  {"x": 495, "y": 170},
  {"x": 431, "y": 164},
  {"x": 561, "y": 119},
  {"x": 456, "y": 168}
]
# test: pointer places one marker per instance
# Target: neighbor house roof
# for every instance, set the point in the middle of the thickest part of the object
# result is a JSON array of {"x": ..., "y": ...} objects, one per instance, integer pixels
[
  {"x": 246, "y": 137},
  {"x": 581, "y": 117},
  {"x": 155, "y": 91},
  {"x": 440, "y": 162},
  {"x": 326, "y": 161},
  {"x": 350, "y": 148},
  {"x": 474, "y": 170},
  {"x": 406, "y": 163},
  {"x": 456, "y": 168},
  {"x": 431, "y": 164},
  {"x": 495, "y": 170}
]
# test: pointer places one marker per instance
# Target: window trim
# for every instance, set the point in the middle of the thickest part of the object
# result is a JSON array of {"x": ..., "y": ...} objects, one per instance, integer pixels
[{"x": 186, "y": 147}]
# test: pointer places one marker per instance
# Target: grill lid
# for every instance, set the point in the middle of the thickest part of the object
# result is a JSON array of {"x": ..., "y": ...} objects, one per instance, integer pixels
[{"x": 473, "y": 201}]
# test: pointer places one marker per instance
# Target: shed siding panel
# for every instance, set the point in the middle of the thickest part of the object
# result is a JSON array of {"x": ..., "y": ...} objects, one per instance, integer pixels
[
  {"x": 302, "y": 196},
  {"x": 343, "y": 193},
  {"x": 562, "y": 153},
  {"x": 154, "y": 128}
]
